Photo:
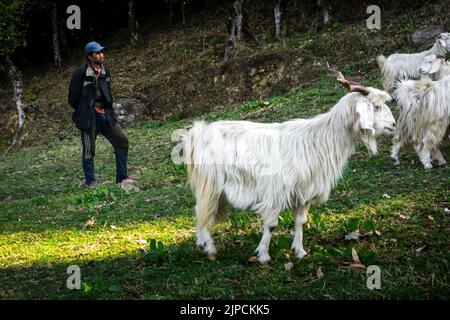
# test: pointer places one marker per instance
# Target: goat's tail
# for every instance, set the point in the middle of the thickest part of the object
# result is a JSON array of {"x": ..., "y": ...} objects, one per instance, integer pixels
[
  {"x": 381, "y": 59},
  {"x": 204, "y": 179},
  {"x": 189, "y": 141}
]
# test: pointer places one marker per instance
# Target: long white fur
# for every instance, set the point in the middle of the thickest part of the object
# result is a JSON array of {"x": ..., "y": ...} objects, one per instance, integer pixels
[
  {"x": 434, "y": 67},
  {"x": 424, "y": 115},
  {"x": 271, "y": 167},
  {"x": 402, "y": 66}
]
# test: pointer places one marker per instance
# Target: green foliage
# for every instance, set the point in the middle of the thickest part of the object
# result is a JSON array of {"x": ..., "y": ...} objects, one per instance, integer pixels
[
  {"x": 336, "y": 25},
  {"x": 368, "y": 225},
  {"x": 351, "y": 224},
  {"x": 251, "y": 105},
  {"x": 94, "y": 197},
  {"x": 150, "y": 124},
  {"x": 158, "y": 252},
  {"x": 99, "y": 287},
  {"x": 317, "y": 221},
  {"x": 31, "y": 97},
  {"x": 12, "y": 25}
]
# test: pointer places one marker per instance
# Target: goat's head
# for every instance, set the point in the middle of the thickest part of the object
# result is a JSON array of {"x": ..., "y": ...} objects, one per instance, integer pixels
[
  {"x": 373, "y": 116},
  {"x": 444, "y": 40},
  {"x": 431, "y": 64}
]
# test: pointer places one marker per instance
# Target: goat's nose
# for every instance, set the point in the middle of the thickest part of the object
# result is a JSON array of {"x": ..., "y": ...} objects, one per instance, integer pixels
[{"x": 393, "y": 124}]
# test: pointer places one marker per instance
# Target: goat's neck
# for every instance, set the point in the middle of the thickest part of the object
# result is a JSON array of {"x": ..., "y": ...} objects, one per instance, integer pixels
[
  {"x": 333, "y": 137},
  {"x": 436, "y": 49}
]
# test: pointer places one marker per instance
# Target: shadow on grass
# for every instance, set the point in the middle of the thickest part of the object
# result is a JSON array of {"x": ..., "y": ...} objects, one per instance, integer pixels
[{"x": 182, "y": 272}]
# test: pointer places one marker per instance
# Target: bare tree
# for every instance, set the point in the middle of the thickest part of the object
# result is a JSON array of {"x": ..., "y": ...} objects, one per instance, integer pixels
[
  {"x": 19, "y": 98},
  {"x": 278, "y": 11},
  {"x": 326, "y": 11},
  {"x": 55, "y": 35},
  {"x": 237, "y": 25},
  {"x": 132, "y": 23}
]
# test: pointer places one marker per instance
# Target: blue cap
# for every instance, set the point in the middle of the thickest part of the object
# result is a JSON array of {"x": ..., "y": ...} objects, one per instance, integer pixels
[{"x": 93, "y": 47}]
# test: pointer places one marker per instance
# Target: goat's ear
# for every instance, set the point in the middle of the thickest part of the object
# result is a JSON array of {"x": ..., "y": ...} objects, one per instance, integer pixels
[
  {"x": 366, "y": 117},
  {"x": 442, "y": 41}
]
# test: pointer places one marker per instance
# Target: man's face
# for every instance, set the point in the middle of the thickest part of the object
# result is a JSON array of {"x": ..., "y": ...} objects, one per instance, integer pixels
[{"x": 97, "y": 57}]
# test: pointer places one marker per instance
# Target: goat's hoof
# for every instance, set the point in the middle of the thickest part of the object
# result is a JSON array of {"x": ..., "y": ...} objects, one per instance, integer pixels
[
  {"x": 263, "y": 259},
  {"x": 301, "y": 253},
  {"x": 442, "y": 163},
  {"x": 428, "y": 166},
  {"x": 212, "y": 257}
]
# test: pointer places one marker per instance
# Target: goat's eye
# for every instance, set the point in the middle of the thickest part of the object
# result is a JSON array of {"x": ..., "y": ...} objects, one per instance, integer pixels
[{"x": 377, "y": 108}]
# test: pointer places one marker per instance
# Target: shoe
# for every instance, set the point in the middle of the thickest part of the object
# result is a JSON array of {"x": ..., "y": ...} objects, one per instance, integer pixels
[
  {"x": 91, "y": 185},
  {"x": 133, "y": 177}
]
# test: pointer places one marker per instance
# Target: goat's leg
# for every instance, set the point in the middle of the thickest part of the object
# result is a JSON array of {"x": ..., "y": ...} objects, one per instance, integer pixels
[
  {"x": 424, "y": 156},
  {"x": 301, "y": 216},
  {"x": 437, "y": 155},
  {"x": 270, "y": 219},
  {"x": 395, "y": 152},
  {"x": 205, "y": 213}
]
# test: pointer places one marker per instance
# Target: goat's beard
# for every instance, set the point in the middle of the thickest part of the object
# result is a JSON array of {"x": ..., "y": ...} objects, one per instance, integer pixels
[{"x": 370, "y": 141}]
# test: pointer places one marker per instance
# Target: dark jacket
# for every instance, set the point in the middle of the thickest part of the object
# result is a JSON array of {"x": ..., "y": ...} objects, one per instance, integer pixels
[{"x": 82, "y": 96}]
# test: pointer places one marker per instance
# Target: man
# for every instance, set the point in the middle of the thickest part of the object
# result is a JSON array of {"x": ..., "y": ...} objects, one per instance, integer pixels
[{"x": 90, "y": 96}]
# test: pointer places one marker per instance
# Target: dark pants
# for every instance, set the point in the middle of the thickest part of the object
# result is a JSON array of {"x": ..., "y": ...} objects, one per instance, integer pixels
[{"x": 115, "y": 136}]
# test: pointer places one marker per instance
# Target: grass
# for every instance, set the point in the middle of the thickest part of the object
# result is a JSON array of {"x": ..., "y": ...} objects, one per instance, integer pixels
[{"x": 48, "y": 222}]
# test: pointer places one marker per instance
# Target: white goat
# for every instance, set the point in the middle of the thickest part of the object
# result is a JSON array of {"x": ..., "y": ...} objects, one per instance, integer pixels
[
  {"x": 271, "y": 167},
  {"x": 424, "y": 116},
  {"x": 434, "y": 67},
  {"x": 402, "y": 66}
]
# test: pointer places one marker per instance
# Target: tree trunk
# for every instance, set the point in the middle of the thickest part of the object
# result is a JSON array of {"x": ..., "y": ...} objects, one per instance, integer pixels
[
  {"x": 183, "y": 15},
  {"x": 16, "y": 80},
  {"x": 326, "y": 12},
  {"x": 236, "y": 18},
  {"x": 55, "y": 36},
  {"x": 132, "y": 23},
  {"x": 278, "y": 13}
]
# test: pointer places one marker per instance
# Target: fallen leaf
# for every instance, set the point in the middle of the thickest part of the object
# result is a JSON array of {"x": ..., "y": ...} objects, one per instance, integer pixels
[
  {"x": 253, "y": 259},
  {"x": 385, "y": 195},
  {"x": 141, "y": 241},
  {"x": 403, "y": 217},
  {"x": 446, "y": 210},
  {"x": 113, "y": 227},
  {"x": 352, "y": 236},
  {"x": 421, "y": 248},
  {"x": 355, "y": 257},
  {"x": 431, "y": 218},
  {"x": 288, "y": 266},
  {"x": 357, "y": 266},
  {"x": 378, "y": 233},
  {"x": 319, "y": 273},
  {"x": 89, "y": 224}
]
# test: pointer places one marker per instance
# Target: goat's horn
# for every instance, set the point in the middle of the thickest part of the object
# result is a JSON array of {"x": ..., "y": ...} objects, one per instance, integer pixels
[
  {"x": 350, "y": 86},
  {"x": 360, "y": 89}
]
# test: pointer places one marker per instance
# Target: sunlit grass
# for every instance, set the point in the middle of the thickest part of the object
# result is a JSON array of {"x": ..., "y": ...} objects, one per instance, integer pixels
[{"x": 48, "y": 222}]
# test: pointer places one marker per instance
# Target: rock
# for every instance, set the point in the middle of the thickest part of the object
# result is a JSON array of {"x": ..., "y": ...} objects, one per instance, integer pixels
[
  {"x": 376, "y": 41},
  {"x": 426, "y": 35},
  {"x": 129, "y": 111}
]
